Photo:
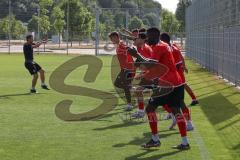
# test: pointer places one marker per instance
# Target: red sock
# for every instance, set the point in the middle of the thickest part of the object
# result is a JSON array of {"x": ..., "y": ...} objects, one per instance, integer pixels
[
  {"x": 152, "y": 118},
  {"x": 166, "y": 108},
  {"x": 181, "y": 125},
  {"x": 141, "y": 105},
  {"x": 186, "y": 113}
]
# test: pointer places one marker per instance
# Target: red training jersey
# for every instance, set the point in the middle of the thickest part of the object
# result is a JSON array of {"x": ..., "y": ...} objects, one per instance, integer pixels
[
  {"x": 125, "y": 59},
  {"x": 162, "y": 52},
  {"x": 177, "y": 56},
  {"x": 145, "y": 51}
]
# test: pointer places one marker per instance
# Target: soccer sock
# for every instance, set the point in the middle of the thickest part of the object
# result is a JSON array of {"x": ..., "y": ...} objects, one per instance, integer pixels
[
  {"x": 155, "y": 137},
  {"x": 33, "y": 88},
  {"x": 43, "y": 84},
  {"x": 186, "y": 113},
  {"x": 185, "y": 140},
  {"x": 181, "y": 125},
  {"x": 128, "y": 95},
  {"x": 166, "y": 108},
  {"x": 141, "y": 106},
  {"x": 152, "y": 118}
]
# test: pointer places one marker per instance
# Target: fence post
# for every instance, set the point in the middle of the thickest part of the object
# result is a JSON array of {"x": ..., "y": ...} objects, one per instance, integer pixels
[
  {"x": 9, "y": 26},
  {"x": 97, "y": 31}
]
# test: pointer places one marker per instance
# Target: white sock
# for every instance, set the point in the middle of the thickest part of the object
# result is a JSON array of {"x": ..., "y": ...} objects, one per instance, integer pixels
[
  {"x": 172, "y": 116},
  {"x": 189, "y": 122},
  {"x": 184, "y": 140},
  {"x": 33, "y": 88},
  {"x": 141, "y": 110},
  {"x": 155, "y": 137},
  {"x": 43, "y": 84}
]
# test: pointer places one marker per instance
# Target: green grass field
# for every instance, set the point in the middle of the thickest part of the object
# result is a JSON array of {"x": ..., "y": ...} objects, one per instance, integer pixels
[{"x": 31, "y": 130}]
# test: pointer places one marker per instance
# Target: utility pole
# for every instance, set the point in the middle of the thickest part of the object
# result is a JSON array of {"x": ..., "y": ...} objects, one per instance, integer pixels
[
  {"x": 97, "y": 30},
  {"x": 38, "y": 36},
  {"x": 9, "y": 26},
  {"x": 67, "y": 25}
]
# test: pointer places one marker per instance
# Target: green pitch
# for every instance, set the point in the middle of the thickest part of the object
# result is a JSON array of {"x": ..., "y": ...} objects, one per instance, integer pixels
[{"x": 30, "y": 129}]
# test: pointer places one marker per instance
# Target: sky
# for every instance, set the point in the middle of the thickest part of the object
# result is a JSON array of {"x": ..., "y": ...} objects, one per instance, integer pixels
[{"x": 171, "y": 5}]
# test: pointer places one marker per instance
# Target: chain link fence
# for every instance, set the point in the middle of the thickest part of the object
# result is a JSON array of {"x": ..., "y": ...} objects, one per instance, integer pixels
[
  {"x": 17, "y": 21},
  {"x": 213, "y": 36}
]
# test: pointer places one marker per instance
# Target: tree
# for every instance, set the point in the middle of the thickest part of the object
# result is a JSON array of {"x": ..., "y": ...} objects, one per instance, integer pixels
[
  {"x": 180, "y": 13},
  {"x": 44, "y": 18},
  {"x": 33, "y": 24},
  {"x": 80, "y": 19},
  {"x": 58, "y": 24},
  {"x": 169, "y": 22},
  {"x": 120, "y": 19},
  {"x": 152, "y": 19},
  {"x": 135, "y": 22},
  {"x": 16, "y": 28}
]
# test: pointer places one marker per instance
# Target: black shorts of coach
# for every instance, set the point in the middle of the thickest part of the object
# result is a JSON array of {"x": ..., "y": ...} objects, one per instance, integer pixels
[
  {"x": 32, "y": 67},
  {"x": 173, "y": 97}
]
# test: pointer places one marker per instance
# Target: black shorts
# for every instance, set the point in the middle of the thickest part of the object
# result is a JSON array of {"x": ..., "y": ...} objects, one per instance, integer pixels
[
  {"x": 175, "y": 97},
  {"x": 148, "y": 84},
  {"x": 124, "y": 78},
  {"x": 33, "y": 67}
]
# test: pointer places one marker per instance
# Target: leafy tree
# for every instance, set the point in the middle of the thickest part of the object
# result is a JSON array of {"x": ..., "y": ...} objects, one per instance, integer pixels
[
  {"x": 44, "y": 18},
  {"x": 180, "y": 12},
  {"x": 152, "y": 19},
  {"x": 58, "y": 24},
  {"x": 169, "y": 22},
  {"x": 135, "y": 22},
  {"x": 80, "y": 19},
  {"x": 33, "y": 24},
  {"x": 16, "y": 28},
  {"x": 120, "y": 19}
]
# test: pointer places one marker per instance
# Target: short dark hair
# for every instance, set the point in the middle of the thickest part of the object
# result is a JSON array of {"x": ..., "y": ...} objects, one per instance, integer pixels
[
  {"x": 153, "y": 36},
  {"x": 142, "y": 30},
  {"x": 29, "y": 36},
  {"x": 113, "y": 34},
  {"x": 165, "y": 38},
  {"x": 154, "y": 30},
  {"x": 142, "y": 33}
]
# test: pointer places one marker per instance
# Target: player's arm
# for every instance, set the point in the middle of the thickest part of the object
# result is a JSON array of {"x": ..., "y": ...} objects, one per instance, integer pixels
[
  {"x": 38, "y": 44},
  {"x": 141, "y": 60},
  {"x": 127, "y": 32},
  {"x": 183, "y": 62}
]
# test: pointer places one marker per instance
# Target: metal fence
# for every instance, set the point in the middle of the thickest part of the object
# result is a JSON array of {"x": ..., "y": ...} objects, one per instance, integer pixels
[
  {"x": 213, "y": 36},
  {"x": 72, "y": 40}
]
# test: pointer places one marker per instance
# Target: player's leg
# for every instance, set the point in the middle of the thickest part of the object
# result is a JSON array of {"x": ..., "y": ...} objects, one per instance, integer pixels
[
  {"x": 191, "y": 94},
  {"x": 169, "y": 111},
  {"x": 39, "y": 69},
  {"x": 32, "y": 70},
  {"x": 181, "y": 123},
  {"x": 124, "y": 82},
  {"x": 156, "y": 100},
  {"x": 140, "y": 113},
  {"x": 171, "y": 115},
  {"x": 176, "y": 102},
  {"x": 42, "y": 78},
  {"x": 187, "y": 115},
  {"x": 34, "y": 83},
  {"x": 153, "y": 123},
  {"x": 118, "y": 82}
]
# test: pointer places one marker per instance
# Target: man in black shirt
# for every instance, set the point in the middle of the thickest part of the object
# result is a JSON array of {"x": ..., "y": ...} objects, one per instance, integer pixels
[{"x": 32, "y": 66}]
